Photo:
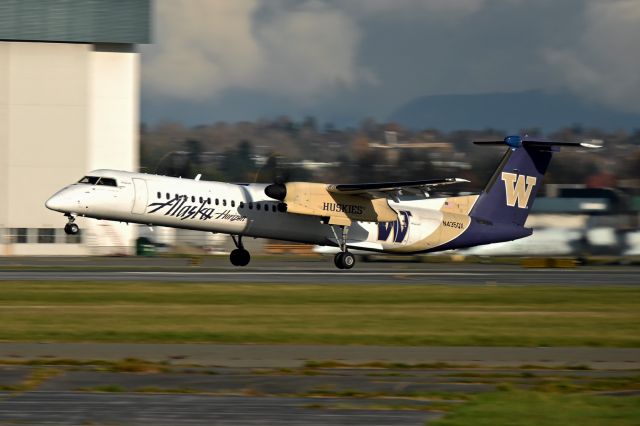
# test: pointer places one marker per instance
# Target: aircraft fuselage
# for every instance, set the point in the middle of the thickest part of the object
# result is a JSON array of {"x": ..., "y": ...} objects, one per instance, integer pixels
[{"x": 244, "y": 209}]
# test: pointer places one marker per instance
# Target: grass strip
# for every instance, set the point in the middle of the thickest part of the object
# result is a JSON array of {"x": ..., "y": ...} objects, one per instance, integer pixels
[
  {"x": 320, "y": 314},
  {"x": 529, "y": 408}
]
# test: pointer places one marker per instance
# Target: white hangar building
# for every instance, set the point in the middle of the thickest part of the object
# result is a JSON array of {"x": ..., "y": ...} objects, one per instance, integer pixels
[{"x": 69, "y": 103}]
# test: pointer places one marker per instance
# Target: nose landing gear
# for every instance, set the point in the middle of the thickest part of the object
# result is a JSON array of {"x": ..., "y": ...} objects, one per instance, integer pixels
[
  {"x": 71, "y": 228},
  {"x": 239, "y": 256}
]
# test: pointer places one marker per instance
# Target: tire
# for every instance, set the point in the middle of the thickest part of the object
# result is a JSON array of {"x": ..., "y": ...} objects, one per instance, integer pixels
[
  {"x": 344, "y": 260},
  {"x": 348, "y": 260},
  {"x": 71, "y": 229},
  {"x": 240, "y": 257}
]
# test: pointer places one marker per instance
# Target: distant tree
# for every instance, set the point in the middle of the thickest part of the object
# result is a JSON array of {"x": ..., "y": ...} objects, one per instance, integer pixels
[
  {"x": 194, "y": 151},
  {"x": 172, "y": 148},
  {"x": 370, "y": 127},
  {"x": 310, "y": 123},
  {"x": 238, "y": 164},
  {"x": 360, "y": 146},
  {"x": 329, "y": 127},
  {"x": 269, "y": 172}
]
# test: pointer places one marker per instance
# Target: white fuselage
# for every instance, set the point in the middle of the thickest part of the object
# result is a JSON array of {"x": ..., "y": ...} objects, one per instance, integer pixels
[{"x": 237, "y": 209}]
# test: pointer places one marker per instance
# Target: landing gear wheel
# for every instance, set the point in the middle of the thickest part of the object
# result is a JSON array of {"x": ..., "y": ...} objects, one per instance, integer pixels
[
  {"x": 348, "y": 260},
  {"x": 240, "y": 257},
  {"x": 344, "y": 260},
  {"x": 71, "y": 229}
]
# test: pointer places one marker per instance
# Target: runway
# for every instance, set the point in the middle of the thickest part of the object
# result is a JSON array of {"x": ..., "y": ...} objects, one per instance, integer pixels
[
  {"x": 74, "y": 408},
  {"x": 317, "y": 273},
  {"x": 303, "y": 270}
]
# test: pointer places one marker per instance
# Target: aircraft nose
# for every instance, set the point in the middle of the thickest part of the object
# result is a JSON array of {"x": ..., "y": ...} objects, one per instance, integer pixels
[{"x": 57, "y": 202}]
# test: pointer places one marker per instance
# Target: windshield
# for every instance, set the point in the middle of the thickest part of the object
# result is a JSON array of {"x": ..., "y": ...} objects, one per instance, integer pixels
[
  {"x": 89, "y": 179},
  {"x": 97, "y": 180}
]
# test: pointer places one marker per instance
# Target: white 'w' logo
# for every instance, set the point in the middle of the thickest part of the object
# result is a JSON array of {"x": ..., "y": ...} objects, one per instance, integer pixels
[{"x": 518, "y": 188}]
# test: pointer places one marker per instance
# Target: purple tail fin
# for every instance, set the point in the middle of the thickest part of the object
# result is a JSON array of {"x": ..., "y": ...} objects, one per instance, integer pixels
[{"x": 510, "y": 193}]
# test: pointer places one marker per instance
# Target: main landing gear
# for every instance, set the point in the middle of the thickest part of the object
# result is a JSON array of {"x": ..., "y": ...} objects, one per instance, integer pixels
[
  {"x": 344, "y": 259},
  {"x": 239, "y": 256},
  {"x": 71, "y": 228}
]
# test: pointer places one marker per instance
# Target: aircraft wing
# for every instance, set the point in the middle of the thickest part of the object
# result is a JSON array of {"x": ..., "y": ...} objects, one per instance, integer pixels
[{"x": 391, "y": 189}]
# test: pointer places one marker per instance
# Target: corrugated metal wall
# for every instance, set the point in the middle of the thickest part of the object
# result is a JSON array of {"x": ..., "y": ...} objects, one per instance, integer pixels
[{"x": 81, "y": 21}]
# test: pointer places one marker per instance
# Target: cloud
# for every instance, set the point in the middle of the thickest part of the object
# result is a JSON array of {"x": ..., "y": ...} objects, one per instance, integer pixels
[
  {"x": 366, "y": 57},
  {"x": 413, "y": 8},
  {"x": 604, "y": 64},
  {"x": 203, "y": 47}
]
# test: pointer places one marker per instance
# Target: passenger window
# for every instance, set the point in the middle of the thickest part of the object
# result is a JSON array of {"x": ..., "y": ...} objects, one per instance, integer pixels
[
  {"x": 224, "y": 203},
  {"x": 168, "y": 195},
  {"x": 208, "y": 200},
  {"x": 217, "y": 202},
  {"x": 200, "y": 199},
  {"x": 159, "y": 195},
  {"x": 273, "y": 208},
  {"x": 193, "y": 199},
  {"x": 241, "y": 205},
  {"x": 233, "y": 203},
  {"x": 250, "y": 206},
  {"x": 257, "y": 206}
]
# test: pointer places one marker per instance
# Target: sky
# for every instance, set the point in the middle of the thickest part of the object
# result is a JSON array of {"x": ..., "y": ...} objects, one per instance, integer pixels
[{"x": 345, "y": 60}]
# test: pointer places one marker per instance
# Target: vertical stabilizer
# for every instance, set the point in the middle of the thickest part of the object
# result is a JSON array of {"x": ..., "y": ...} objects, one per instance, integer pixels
[{"x": 509, "y": 195}]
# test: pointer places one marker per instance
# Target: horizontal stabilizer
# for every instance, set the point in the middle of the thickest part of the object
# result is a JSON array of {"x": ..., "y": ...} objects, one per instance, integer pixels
[{"x": 519, "y": 141}]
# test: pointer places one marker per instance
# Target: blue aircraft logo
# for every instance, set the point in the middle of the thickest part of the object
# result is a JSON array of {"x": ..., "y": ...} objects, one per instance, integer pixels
[{"x": 400, "y": 228}]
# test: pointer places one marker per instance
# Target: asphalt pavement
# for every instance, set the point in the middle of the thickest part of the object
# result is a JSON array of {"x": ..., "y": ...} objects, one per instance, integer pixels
[
  {"x": 281, "y": 270},
  {"x": 74, "y": 408}
]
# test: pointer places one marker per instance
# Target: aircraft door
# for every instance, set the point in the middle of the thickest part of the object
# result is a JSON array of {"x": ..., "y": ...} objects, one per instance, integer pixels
[{"x": 141, "y": 197}]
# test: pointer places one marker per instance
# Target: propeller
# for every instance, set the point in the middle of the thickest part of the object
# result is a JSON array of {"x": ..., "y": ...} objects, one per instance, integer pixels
[
  {"x": 279, "y": 176},
  {"x": 277, "y": 191}
]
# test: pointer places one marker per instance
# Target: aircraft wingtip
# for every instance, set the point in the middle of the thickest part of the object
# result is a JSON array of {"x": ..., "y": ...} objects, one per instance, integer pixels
[{"x": 589, "y": 145}]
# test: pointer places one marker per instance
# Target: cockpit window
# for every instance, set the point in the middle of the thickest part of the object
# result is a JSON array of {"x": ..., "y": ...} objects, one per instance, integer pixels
[
  {"x": 107, "y": 181},
  {"x": 97, "y": 180},
  {"x": 89, "y": 179}
]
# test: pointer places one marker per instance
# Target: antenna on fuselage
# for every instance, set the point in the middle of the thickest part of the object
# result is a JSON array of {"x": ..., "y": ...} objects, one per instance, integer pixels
[{"x": 198, "y": 176}]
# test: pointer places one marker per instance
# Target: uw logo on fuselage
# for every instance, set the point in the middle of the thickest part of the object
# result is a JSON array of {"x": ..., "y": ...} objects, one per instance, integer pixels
[
  {"x": 399, "y": 227},
  {"x": 518, "y": 188}
]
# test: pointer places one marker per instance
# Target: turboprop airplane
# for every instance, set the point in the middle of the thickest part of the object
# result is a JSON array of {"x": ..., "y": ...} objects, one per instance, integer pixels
[{"x": 366, "y": 216}]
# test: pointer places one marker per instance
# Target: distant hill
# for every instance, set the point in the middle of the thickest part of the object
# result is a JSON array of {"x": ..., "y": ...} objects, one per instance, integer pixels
[{"x": 510, "y": 112}]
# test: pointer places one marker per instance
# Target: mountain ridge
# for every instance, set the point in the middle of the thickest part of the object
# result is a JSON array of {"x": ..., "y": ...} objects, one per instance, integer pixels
[{"x": 510, "y": 111}]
